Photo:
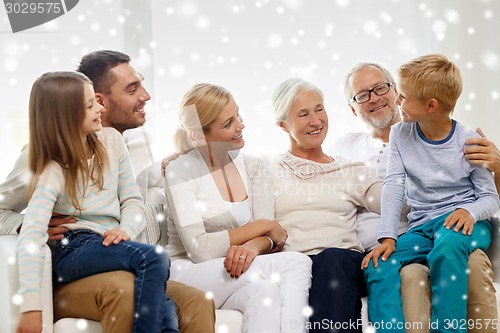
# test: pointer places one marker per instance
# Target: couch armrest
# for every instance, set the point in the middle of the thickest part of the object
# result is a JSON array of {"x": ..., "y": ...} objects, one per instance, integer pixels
[
  {"x": 493, "y": 251},
  {"x": 9, "y": 282}
]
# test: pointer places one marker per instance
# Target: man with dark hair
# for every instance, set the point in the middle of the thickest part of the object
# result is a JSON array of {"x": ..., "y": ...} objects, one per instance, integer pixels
[
  {"x": 106, "y": 297},
  {"x": 118, "y": 88},
  {"x": 96, "y": 66}
]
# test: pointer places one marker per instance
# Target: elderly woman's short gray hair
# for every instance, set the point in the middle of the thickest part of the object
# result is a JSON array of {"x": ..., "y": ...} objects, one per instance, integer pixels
[{"x": 285, "y": 94}]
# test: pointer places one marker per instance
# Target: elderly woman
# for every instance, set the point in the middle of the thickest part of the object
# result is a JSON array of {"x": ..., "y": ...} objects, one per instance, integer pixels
[
  {"x": 316, "y": 200},
  {"x": 222, "y": 235}
]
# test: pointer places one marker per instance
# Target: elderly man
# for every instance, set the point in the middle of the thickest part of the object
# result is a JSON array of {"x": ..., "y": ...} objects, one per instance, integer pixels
[{"x": 371, "y": 92}]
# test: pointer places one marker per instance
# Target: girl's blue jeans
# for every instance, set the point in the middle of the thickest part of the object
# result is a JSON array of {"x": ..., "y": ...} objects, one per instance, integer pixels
[
  {"x": 82, "y": 254},
  {"x": 446, "y": 252}
]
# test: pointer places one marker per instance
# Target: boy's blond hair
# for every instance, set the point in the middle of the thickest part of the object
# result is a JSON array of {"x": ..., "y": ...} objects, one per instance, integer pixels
[{"x": 433, "y": 76}]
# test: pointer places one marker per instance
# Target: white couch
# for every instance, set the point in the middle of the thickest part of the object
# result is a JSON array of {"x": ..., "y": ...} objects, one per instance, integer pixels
[{"x": 227, "y": 321}]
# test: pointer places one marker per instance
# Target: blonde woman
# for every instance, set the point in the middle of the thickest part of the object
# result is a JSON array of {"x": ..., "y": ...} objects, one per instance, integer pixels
[{"x": 223, "y": 238}]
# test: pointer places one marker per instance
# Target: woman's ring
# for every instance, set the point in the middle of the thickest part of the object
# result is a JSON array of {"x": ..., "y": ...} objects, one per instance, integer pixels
[{"x": 242, "y": 257}]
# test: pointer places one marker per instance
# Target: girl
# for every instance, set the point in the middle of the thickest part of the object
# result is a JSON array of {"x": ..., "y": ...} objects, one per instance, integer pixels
[
  {"x": 221, "y": 220},
  {"x": 82, "y": 170}
]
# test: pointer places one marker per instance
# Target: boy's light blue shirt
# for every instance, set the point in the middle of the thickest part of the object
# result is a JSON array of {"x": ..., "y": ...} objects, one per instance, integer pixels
[{"x": 438, "y": 177}]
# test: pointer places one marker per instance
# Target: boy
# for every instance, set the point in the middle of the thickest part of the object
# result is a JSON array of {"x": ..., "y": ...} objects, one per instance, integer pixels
[{"x": 449, "y": 199}]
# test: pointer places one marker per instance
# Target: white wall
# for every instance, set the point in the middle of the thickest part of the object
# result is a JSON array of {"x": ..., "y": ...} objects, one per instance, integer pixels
[
  {"x": 56, "y": 45},
  {"x": 251, "y": 46}
]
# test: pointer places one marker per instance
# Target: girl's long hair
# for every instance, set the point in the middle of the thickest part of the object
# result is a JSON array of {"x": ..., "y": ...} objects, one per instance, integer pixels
[{"x": 56, "y": 112}]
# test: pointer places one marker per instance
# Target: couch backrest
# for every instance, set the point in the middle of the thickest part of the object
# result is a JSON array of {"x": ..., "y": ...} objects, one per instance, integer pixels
[{"x": 155, "y": 232}]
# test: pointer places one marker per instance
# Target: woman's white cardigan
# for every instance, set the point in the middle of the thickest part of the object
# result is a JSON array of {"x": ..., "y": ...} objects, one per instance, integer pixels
[{"x": 198, "y": 218}]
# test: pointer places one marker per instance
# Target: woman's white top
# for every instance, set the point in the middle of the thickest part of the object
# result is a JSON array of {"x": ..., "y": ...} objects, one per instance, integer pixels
[
  {"x": 198, "y": 218},
  {"x": 240, "y": 210}
]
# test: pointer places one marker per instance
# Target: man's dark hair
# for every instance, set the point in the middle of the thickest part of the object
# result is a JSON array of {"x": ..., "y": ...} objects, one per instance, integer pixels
[{"x": 96, "y": 66}]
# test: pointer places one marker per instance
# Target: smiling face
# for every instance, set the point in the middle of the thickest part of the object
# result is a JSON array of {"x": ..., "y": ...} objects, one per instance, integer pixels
[
  {"x": 307, "y": 122},
  {"x": 93, "y": 110},
  {"x": 379, "y": 112},
  {"x": 126, "y": 99},
  {"x": 412, "y": 108},
  {"x": 227, "y": 128}
]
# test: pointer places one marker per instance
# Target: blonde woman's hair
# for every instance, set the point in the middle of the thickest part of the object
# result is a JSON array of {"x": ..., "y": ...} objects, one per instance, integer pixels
[
  {"x": 56, "y": 112},
  {"x": 285, "y": 93},
  {"x": 432, "y": 76},
  {"x": 200, "y": 107}
]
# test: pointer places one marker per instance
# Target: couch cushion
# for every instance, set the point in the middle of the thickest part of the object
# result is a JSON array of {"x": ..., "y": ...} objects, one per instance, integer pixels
[
  {"x": 67, "y": 325},
  {"x": 229, "y": 321},
  {"x": 153, "y": 215}
]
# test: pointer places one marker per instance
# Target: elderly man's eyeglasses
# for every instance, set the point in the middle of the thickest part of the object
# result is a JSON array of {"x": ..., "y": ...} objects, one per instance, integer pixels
[{"x": 378, "y": 90}]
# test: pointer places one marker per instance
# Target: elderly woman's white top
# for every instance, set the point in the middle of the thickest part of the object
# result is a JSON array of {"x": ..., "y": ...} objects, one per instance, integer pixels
[{"x": 317, "y": 202}]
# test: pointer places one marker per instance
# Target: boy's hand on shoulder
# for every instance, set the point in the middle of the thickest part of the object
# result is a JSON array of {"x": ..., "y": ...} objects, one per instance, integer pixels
[
  {"x": 30, "y": 322},
  {"x": 384, "y": 250},
  {"x": 461, "y": 219},
  {"x": 115, "y": 236}
]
